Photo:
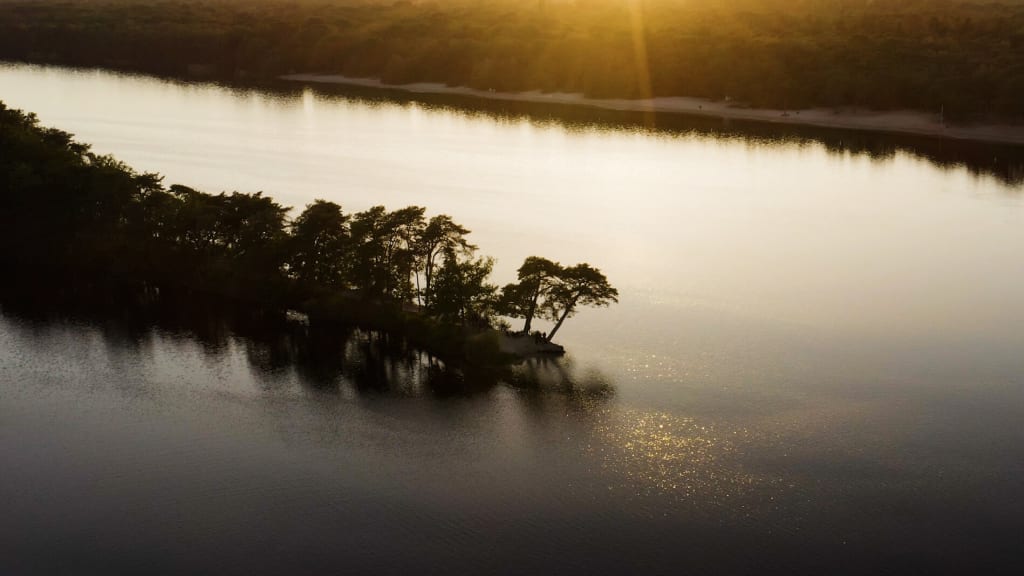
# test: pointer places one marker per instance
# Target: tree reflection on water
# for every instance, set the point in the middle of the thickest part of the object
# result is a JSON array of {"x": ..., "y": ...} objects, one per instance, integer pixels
[{"x": 319, "y": 359}]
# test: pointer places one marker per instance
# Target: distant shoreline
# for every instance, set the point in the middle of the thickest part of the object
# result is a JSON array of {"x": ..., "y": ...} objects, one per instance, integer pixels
[{"x": 905, "y": 122}]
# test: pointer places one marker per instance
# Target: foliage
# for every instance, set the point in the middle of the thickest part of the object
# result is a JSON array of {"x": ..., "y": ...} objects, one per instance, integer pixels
[
  {"x": 319, "y": 244},
  {"x": 579, "y": 285},
  {"x": 956, "y": 56},
  {"x": 461, "y": 292},
  {"x": 383, "y": 250},
  {"x": 442, "y": 239},
  {"x": 554, "y": 292},
  {"x": 537, "y": 276}
]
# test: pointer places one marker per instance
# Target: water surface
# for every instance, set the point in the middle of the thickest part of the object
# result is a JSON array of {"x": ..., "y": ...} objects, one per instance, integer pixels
[{"x": 816, "y": 363}]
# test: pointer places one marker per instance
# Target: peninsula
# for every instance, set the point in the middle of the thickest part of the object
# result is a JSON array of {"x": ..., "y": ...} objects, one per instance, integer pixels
[{"x": 82, "y": 226}]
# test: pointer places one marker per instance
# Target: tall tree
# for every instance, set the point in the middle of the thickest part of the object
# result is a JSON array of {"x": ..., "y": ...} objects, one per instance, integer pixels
[
  {"x": 537, "y": 276},
  {"x": 251, "y": 226},
  {"x": 403, "y": 229},
  {"x": 319, "y": 245},
  {"x": 462, "y": 293},
  {"x": 366, "y": 229},
  {"x": 383, "y": 249},
  {"x": 441, "y": 236},
  {"x": 579, "y": 285}
]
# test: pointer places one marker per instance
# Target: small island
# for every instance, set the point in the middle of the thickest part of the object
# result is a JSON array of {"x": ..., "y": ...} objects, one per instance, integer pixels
[{"x": 78, "y": 226}]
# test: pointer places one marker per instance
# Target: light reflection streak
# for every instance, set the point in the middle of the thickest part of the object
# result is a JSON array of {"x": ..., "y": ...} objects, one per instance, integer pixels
[{"x": 659, "y": 453}]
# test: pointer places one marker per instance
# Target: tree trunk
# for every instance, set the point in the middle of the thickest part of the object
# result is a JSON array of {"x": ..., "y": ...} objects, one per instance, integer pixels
[
  {"x": 419, "y": 294},
  {"x": 526, "y": 326},
  {"x": 561, "y": 319},
  {"x": 427, "y": 273},
  {"x": 531, "y": 311}
]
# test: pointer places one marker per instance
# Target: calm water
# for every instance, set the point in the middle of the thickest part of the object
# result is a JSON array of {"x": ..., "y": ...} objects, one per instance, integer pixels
[{"x": 817, "y": 363}]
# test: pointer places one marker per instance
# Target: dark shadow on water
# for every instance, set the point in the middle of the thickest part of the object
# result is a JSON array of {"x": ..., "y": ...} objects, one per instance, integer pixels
[
  {"x": 560, "y": 373},
  {"x": 278, "y": 352}
]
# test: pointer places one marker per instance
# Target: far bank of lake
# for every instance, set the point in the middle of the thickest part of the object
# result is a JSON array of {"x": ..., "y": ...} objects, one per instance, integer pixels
[{"x": 905, "y": 122}]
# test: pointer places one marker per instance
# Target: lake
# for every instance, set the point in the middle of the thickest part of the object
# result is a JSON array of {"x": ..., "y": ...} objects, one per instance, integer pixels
[{"x": 817, "y": 363}]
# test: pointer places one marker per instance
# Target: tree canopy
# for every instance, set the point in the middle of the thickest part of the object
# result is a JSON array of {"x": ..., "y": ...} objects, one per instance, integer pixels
[
  {"x": 320, "y": 241},
  {"x": 579, "y": 285},
  {"x": 441, "y": 239},
  {"x": 537, "y": 277},
  {"x": 555, "y": 292}
]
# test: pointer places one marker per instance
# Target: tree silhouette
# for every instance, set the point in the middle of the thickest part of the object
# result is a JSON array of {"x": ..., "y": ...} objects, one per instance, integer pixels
[
  {"x": 384, "y": 250},
  {"x": 579, "y": 285},
  {"x": 461, "y": 291},
  {"x": 441, "y": 237},
  {"x": 319, "y": 245},
  {"x": 536, "y": 276}
]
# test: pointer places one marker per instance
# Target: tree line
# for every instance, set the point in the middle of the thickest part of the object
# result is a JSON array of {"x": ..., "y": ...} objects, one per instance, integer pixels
[
  {"x": 960, "y": 58},
  {"x": 77, "y": 223}
]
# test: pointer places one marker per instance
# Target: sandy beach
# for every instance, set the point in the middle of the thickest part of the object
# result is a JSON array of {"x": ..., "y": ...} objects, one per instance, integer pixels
[{"x": 909, "y": 122}]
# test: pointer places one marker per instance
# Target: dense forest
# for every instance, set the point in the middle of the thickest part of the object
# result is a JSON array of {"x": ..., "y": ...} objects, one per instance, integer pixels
[
  {"x": 81, "y": 226},
  {"x": 960, "y": 57}
]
